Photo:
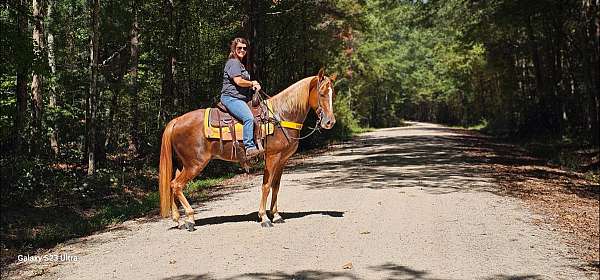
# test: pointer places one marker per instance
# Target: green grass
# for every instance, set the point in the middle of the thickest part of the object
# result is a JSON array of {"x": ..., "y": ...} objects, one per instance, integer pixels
[
  {"x": 482, "y": 126},
  {"x": 114, "y": 214},
  {"x": 201, "y": 184},
  {"x": 363, "y": 130}
]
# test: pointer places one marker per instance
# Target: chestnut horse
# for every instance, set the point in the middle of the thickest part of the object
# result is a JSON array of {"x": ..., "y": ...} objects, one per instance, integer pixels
[{"x": 185, "y": 137}]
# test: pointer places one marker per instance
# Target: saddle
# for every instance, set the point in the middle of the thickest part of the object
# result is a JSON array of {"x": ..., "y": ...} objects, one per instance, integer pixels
[
  {"x": 222, "y": 117},
  {"x": 220, "y": 124}
]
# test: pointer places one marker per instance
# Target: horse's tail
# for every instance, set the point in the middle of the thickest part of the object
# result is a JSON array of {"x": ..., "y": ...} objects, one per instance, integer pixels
[{"x": 165, "y": 170}]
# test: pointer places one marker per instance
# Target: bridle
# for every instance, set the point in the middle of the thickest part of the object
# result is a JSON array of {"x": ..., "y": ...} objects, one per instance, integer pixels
[{"x": 319, "y": 111}]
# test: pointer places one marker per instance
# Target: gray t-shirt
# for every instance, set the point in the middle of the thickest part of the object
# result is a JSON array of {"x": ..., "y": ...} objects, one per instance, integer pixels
[{"x": 234, "y": 68}]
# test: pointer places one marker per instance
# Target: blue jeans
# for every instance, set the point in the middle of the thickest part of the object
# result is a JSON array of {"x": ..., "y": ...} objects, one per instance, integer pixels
[{"x": 239, "y": 109}]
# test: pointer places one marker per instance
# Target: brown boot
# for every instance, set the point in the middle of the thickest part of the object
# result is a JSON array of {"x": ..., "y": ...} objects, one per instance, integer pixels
[{"x": 252, "y": 152}]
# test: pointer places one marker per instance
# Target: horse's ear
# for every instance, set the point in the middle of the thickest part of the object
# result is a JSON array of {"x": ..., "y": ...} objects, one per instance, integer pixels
[
  {"x": 333, "y": 77},
  {"x": 321, "y": 74}
]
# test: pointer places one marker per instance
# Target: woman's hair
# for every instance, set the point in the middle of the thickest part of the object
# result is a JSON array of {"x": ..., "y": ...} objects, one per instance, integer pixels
[{"x": 234, "y": 43}]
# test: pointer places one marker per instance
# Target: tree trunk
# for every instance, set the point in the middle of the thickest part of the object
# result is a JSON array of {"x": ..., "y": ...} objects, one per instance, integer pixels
[
  {"x": 54, "y": 144},
  {"x": 168, "y": 66},
  {"x": 110, "y": 130},
  {"x": 93, "y": 91},
  {"x": 253, "y": 30},
  {"x": 539, "y": 76},
  {"x": 304, "y": 42},
  {"x": 133, "y": 137},
  {"x": 593, "y": 70},
  {"x": 175, "y": 55},
  {"x": 39, "y": 46},
  {"x": 21, "y": 89}
]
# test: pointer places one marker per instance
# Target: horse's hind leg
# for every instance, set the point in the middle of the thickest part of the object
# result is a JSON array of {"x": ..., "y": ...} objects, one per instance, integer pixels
[
  {"x": 177, "y": 185},
  {"x": 174, "y": 211}
]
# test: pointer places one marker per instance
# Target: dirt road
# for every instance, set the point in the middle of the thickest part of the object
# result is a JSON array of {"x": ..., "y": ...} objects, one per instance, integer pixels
[{"x": 399, "y": 203}]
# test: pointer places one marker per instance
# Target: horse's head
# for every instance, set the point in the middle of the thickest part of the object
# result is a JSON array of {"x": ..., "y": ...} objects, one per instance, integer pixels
[{"x": 323, "y": 105}]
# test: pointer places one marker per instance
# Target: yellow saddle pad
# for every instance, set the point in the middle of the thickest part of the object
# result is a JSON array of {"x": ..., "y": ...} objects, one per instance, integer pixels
[{"x": 212, "y": 132}]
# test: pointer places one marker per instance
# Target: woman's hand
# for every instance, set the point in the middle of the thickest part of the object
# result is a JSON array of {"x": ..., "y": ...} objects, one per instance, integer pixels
[{"x": 256, "y": 86}]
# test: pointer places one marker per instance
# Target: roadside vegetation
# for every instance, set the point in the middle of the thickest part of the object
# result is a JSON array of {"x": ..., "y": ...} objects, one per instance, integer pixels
[{"x": 86, "y": 88}]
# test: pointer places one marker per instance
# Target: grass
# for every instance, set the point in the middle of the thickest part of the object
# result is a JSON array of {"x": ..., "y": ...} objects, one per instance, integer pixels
[
  {"x": 201, "y": 184},
  {"x": 482, "y": 126},
  {"x": 363, "y": 130}
]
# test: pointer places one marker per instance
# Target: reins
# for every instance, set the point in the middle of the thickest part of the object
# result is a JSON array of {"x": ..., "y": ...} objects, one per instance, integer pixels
[{"x": 277, "y": 118}]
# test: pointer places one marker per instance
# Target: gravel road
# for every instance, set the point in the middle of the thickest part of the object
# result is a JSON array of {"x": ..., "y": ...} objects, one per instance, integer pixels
[{"x": 397, "y": 203}]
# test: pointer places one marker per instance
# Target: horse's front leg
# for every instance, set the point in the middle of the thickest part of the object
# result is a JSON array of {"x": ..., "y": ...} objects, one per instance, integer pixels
[
  {"x": 275, "y": 185},
  {"x": 262, "y": 212},
  {"x": 268, "y": 179},
  {"x": 274, "y": 191}
]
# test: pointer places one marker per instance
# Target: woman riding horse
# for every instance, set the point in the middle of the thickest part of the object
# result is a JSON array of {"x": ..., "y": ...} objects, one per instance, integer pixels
[
  {"x": 185, "y": 137},
  {"x": 236, "y": 92}
]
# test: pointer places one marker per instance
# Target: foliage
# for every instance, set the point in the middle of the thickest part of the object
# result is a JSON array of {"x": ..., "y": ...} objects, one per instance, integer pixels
[
  {"x": 525, "y": 68},
  {"x": 182, "y": 48}
]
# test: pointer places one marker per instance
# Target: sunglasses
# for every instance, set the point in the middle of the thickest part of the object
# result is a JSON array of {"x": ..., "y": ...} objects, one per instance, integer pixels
[{"x": 241, "y": 48}]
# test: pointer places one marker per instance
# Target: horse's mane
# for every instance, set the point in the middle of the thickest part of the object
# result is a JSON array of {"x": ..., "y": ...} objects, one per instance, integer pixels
[{"x": 294, "y": 98}]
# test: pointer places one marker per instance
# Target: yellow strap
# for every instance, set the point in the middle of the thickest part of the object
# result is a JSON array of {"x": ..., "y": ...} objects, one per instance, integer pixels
[
  {"x": 287, "y": 124},
  {"x": 293, "y": 125}
]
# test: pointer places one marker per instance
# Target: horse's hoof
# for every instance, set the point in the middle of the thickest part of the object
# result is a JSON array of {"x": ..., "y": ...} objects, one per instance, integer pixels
[
  {"x": 266, "y": 224},
  {"x": 189, "y": 226},
  {"x": 278, "y": 220}
]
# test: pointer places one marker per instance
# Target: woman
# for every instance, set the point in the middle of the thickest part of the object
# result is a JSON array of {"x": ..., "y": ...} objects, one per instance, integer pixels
[{"x": 236, "y": 92}]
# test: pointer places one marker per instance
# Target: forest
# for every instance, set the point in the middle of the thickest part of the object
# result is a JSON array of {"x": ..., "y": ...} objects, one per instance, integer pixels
[{"x": 86, "y": 87}]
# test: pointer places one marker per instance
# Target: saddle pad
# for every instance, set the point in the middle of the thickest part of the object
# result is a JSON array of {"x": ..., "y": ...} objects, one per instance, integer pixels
[{"x": 212, "y": 132}]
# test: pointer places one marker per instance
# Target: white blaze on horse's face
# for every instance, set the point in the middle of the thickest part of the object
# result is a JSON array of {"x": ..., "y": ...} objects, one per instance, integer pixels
[
  {"x": 330, "y": 93},
  {"x": 328, "y": 118}
]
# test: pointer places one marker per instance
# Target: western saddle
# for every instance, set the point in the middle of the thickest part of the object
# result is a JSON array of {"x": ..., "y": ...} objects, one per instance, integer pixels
[{"x": 221, "y": 118}]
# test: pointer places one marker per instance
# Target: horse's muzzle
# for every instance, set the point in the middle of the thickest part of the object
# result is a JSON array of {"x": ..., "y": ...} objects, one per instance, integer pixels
[{"x": 327, "y": 123}]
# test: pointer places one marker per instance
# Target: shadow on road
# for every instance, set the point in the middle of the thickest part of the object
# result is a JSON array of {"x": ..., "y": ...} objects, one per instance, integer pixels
[
  {"x": 439, "y": 164},
  {"x": 253, "y": 217},
  {"x": 388, "y": 271},
  {"x": 445, "y": 161}
]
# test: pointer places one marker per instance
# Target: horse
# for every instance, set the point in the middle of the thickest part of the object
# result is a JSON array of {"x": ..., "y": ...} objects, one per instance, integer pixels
[{"x": 185, "y": 138}]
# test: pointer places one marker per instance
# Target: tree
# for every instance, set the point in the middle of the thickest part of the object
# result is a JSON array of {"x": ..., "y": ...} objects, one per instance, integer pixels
[
  {"x": 39, "y": 49},
  {"x": 54, "y": 142},
  {"x": 21, "y": 76},
  {"x": 91, "y": 100},
  {"x": 133, "y": 135},
  {"x": 169, "y": 61},
  {"x": 253, "y": 24}
]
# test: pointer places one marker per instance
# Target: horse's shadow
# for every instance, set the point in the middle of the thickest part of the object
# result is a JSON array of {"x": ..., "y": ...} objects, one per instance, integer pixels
[{"x": 253, "y": 217}]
